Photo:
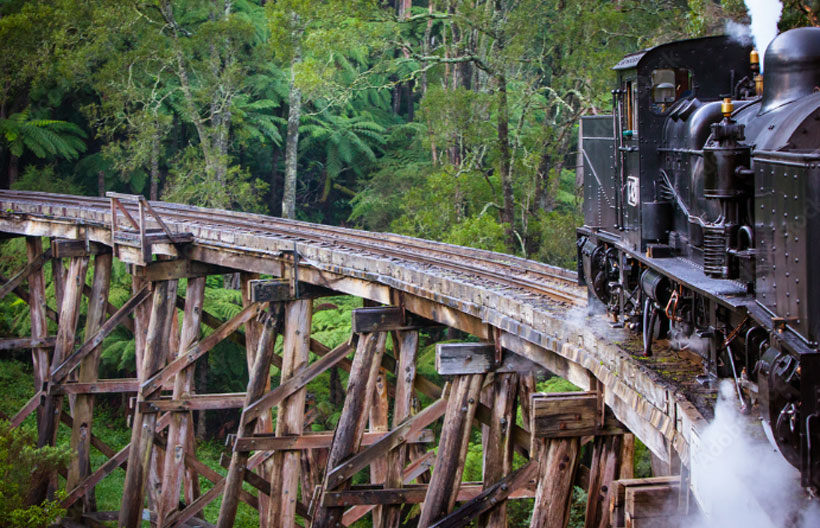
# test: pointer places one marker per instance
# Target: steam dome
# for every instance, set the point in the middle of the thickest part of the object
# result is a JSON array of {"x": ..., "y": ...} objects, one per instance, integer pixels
[{"x": 792, "y": 67}]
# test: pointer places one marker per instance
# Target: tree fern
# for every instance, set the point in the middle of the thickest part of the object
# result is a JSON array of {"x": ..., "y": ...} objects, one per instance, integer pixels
[{"x": 43, "y": 137}]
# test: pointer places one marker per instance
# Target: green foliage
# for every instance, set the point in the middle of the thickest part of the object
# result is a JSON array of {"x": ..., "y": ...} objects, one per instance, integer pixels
[
  {"x": 556, "y": 384},
  {"x": 46, "y": 180},
  {"x": 43, "y": 137},
  {"x": 23, "y": 466}
]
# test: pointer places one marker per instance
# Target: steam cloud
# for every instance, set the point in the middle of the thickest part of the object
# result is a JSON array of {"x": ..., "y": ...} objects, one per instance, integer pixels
[
  {"x": 765, "y": 15},
  {"x": 742, "y": 481}
]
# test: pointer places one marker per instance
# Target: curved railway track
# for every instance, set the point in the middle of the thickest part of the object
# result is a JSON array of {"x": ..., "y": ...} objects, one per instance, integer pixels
[{"x": 556, "y": 283}]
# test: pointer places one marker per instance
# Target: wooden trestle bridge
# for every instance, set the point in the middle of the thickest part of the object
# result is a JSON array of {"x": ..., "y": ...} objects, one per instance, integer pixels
[{"x": 529, "y": 317}]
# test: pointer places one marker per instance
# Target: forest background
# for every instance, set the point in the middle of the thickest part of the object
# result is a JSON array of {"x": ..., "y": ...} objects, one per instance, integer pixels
[{"x": 453, "y": 120}]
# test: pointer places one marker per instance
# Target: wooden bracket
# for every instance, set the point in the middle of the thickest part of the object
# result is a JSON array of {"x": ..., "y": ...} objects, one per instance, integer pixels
[
  {"x": 386, "y": 319},
  {"x": 77, "y": 248},
  {"x": 569, "y": 414},
  {"x": 177, "y": 269},
  {"x": 456, "y": 359},
  {"x": 141, "y": 237}
]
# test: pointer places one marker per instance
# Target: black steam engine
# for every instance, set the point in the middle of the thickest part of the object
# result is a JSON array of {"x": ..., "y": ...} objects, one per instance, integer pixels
[{"x": 702, "y": 218}]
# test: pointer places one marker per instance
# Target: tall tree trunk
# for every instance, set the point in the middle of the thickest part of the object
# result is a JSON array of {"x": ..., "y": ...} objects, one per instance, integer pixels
[
  {"x": 14, "y": 169},
  {"x": 101, "y": 183},
  {"x": 507, "y": 214},
  {"x": 292, "y": 140},
  {"x": 154, "y": 190}
]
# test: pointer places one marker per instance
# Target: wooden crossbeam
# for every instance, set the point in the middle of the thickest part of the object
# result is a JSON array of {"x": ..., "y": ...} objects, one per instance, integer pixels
[
  {"x": 62, "y": 248},
  {"x": 101, "y": 386},
  {"x": 194, "y": 402},
  {"x": 490, "y": 498},
  {"x": 399, "y": 435},
  {"x": 27, "y": 409},
  {"x": 570, "y": 414},
  {"x": 181, "y": 268},
  {"x": 316, "y": 440},
  {"x": 386, "y": 319},
  {"x": 71, "y": 362},
  {"x": 26, "y": 342},
  {"x": 367, "y": 495},
  {"x": 155, "y": 382},
  {"x": 27, "y": 270},
  {"x": 453, "y": 359}
]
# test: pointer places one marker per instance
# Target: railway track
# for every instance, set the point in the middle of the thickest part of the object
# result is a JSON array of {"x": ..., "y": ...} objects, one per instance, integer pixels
[{"x": 532, "y": 277}]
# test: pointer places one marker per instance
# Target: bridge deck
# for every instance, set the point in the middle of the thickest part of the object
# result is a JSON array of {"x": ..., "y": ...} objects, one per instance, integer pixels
[{"x": 533, "y": 310}]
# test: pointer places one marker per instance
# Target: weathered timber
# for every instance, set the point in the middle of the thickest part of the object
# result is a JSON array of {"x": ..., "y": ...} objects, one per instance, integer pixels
[
  {"x": 142, "y": 441},
  {"x": 66, "y": 332},
  {"x": 604, "y": 469},
  {"x": 100, "y": 386},
  {"x": 58, "y": 273},
  {"x": 452, "y": 451},
  {"x": 17, "y": 343},
  {"x": 489, "y": 500},
  {"x": 181, "y": 268},
  {"x": 558, "y": 465},
  {"x": 290, "y": 414},
  {"x": 142, "y": 315},
  {"x": 37, "y": 312},
  {"x": 453, "y": 359},
  {"x": 350, "y": 429},
  {"x": 617, "y": 504},
  {"x": 101, "y": 331},
  {"x": 405, "y": 344},
  {"x": 197, "y": 350},
  {"x": 81, "y": 431},
  {"x": 498, "y": 447},
  {"x": 195, "y": 402},
  {"x": 409, "y": 428},
  {"x": 33, "y": 403},
  {"x": 256, "y": 386},
  {"x": 317, "y": 440},
  {"x": 386, "y": 319},
  {"x": 33, "y": 265},
  {"x": 627, "y": 457},
  {"x": 569, "y": 414},
  {"x": 264, "y": 424},
  {"x": 270, "y": 290},
  {"x": 657, "y": 502},
  {"x": 181, "y": 422},
  {"x": 379, "y": 423},
  {"x": 62, "y": 248},
  {"x": 362, "y": 496}
]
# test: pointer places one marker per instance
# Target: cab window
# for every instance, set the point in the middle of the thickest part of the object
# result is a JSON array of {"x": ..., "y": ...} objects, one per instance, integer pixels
[{"x": 669, "y": 85}]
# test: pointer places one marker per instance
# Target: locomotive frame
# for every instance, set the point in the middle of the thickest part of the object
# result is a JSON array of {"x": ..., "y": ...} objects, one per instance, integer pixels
[{"x": 701, "y": 201}]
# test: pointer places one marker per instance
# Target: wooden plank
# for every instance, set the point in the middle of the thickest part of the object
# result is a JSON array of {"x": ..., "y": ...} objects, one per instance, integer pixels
[
  {"x": 364, "y": 498},
  {"x": 37, "y": 312},
  {"x": 617, "y": 505},
  {"x": 181, "y": 268},
  {"x": 62, "y": 248},
  {"x": 464, "y": 358},
  {"x": 267, "y": 290},
  {"x": 256, "y": 386},
  {"x": 291, "y": 413},
  {"x": 604, "y": 469},
  {"x": 197, "y": 350},
  {"x": 30, "y": 406},
  {"x": 18, "y": 343},
  {"x": 181, "y": 422},
  {"x": 489, "y": 500},
  {"x": 569, "y": 414},
  {"x": 405, "y": 344},
  {"x": 379, "y": 423},
  {"x": 195, "y": 402},
  {"x": 498, "y": 446},
  {"x": 318, "y": 440},
  {"x": 60, "y": 373},
  {"x": 558, "y": 465},
  {"x": 33, "y": 265},
  {"x": 386, "y": 319},
  {"x": 100, "y": 386},
  {"x": 80, "y": 465},
  {"x": 142, "y": 434},
  {"x": 455, "y": 435},
  {"x": 643, "y": 502},
  {"x": 350, "y": 428}
]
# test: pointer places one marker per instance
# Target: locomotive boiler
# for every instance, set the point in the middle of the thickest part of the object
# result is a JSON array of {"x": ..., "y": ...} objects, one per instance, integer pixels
[{"x": 701, "y": 224}]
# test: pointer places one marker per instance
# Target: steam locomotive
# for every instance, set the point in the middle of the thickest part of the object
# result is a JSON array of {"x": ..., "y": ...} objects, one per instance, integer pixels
[{"x": 701, "y": 224}]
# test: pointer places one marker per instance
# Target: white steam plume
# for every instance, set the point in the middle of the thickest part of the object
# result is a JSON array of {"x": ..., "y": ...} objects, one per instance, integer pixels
[
  {"x": 742, "y": 481},
  {"x": 765, "y": 15},
  {"x": 740, "y": 33}
]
